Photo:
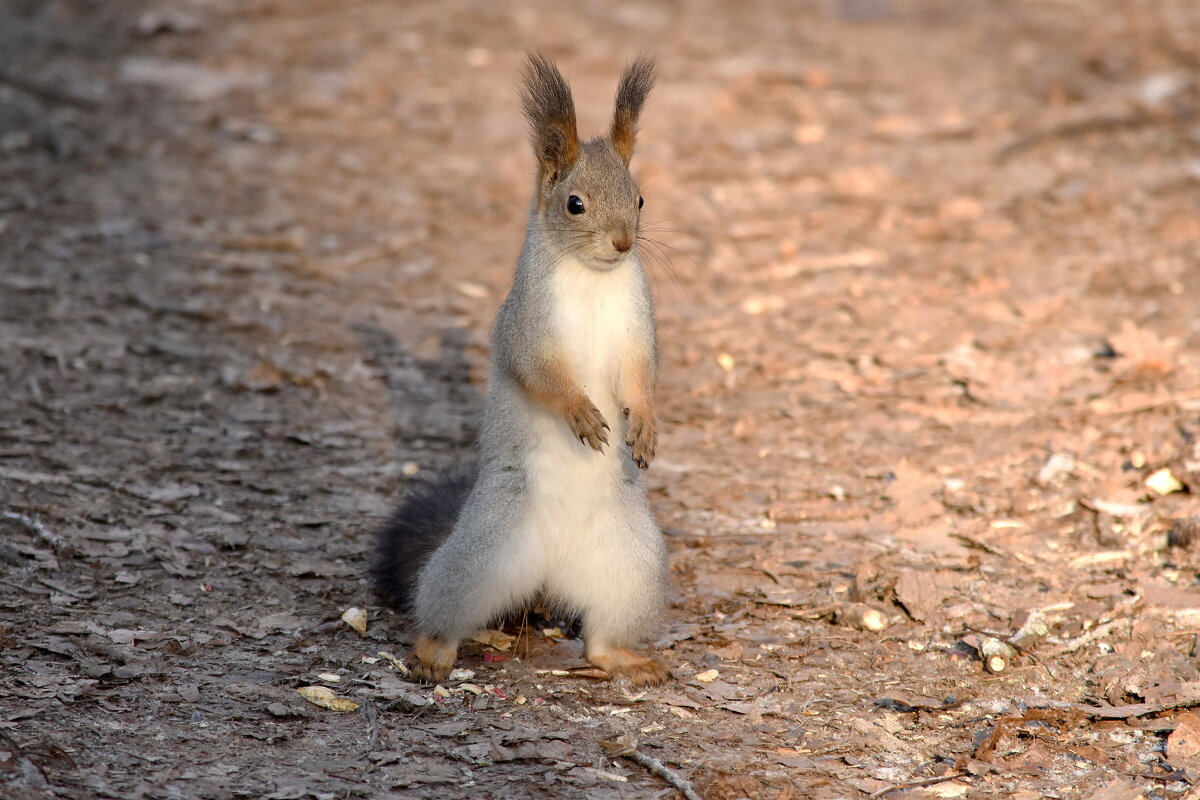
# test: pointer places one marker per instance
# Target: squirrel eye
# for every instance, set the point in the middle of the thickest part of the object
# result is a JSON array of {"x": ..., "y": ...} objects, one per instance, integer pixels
[
  {"x": 641, "y": 202},
  {"x": 574, "y": 205}
]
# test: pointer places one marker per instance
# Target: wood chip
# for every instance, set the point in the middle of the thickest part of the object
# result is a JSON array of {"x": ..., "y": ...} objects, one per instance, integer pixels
[{"x": 324, "y": 697}]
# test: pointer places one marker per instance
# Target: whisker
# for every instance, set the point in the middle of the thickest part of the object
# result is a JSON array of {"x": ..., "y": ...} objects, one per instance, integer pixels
[
  {"x": 672, "y": 219},
  {"x": 660, "y": 244},
  {"x": 657, "y": 257}
]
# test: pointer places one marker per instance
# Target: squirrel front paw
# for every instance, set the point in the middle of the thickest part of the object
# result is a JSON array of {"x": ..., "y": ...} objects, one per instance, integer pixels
[
  {"x": 588, "y": 425},
  {"x": 642, "y": 436}
]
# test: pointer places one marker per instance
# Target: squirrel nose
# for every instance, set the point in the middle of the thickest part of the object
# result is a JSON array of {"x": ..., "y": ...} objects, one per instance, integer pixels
[{"x": 622, "y": 241}]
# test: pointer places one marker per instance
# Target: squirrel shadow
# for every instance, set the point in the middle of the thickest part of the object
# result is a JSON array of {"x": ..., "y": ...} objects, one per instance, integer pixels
[{"x": 434, "y": 404}]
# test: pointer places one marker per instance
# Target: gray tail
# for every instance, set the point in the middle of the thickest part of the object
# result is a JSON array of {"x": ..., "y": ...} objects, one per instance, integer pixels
[{"x": 415, "y": 530}]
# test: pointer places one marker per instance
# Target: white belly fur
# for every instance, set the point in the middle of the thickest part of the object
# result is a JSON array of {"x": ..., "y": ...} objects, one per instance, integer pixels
[{"x": 573, "y": 487}]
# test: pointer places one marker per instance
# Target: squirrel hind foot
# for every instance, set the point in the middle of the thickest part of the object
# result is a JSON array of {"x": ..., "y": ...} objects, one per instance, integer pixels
[
  {"x": 639, "y": 670},
  {"x": 434, "y": 659}
]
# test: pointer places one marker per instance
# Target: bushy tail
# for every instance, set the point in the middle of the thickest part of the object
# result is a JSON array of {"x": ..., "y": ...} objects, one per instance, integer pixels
[{"x": 415, "y": 530}]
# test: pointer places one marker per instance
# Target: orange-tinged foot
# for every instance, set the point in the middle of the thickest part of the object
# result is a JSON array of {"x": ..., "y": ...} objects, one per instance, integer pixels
[
  {"x": 639, "y": 670},
  {"x": 435, "y": 659}
]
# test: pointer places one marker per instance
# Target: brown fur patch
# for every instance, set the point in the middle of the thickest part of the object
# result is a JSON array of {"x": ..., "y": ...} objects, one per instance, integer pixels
[
  {"x": 553, "y": 386},
  {"x": 637, "y": 395},
  {"x": 636, "y": 83},
  {"x": 550, "y": 110}
]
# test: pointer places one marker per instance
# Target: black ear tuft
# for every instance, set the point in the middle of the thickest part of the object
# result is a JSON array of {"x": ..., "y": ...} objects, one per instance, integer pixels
[
  {"x": 551, "y": 114},
  {"x": 636, "y": 83}
]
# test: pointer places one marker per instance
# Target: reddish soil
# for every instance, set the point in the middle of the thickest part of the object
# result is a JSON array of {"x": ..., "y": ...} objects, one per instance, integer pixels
[{"x": 926, "y": 275}]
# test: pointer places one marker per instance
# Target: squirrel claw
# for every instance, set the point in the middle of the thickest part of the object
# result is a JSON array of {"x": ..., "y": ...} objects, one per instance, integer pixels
[
  {"x": 588, "y": 425},
  {"x": 642, "y": 438}
]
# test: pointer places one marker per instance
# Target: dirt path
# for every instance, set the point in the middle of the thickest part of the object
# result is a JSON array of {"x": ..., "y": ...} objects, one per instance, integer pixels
[{"x": 927, "y": 275}]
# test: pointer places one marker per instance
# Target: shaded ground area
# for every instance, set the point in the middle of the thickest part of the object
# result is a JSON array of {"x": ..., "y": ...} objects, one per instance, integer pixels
[{"x": 927, "y": 275}]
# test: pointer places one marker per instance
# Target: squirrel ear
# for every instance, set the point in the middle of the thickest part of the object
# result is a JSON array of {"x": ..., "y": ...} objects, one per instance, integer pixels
[
  {"x": 635, "y": 84},
  {"x": 551, "y": 114}
]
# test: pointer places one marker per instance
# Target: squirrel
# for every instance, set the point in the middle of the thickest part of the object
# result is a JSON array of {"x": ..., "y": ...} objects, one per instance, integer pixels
[{"x": 554, "y": 509}]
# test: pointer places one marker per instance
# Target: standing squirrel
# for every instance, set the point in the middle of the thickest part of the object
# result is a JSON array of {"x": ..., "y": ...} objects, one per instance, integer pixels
[{"x": 553, "y": 509}]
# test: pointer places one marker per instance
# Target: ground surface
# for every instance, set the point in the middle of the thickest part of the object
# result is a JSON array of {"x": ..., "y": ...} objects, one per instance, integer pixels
[{"x": 928, "y": 326}]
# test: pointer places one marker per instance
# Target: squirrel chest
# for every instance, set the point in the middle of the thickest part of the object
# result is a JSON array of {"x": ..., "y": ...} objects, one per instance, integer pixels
[{"x": 597, "y": 323}]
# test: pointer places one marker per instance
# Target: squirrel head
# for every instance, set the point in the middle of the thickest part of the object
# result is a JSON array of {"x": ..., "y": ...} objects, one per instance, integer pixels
[{"x": 586, "y": 201}]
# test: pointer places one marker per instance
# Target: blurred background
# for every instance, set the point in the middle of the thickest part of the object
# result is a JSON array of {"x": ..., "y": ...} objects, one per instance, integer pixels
[{"x": 926, "y": 275}]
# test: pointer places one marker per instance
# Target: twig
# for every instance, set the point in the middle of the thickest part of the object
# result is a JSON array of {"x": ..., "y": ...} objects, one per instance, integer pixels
[
  {"x": 1104, "y": 410},
  {"x": 46, "y": 92},
  {"x": 977, "y": 543},
  {"x": 1165, "y": 777},
  {"x": 1067, "y": 130},
  {"x": 59, "y": 587},
  {"x": 626, "y": 747},
  {"x": 30, "y": 589},
  {"x": 54, "y": 540},
  {"x": 998, "y": 653},
  {"x": 660, "y": 769},
  {"x": 373, "y": 722},
  {"x": 1116, "y": 712},
  {"x": 1056, "y": 713},
  {"x": 916, "y": 784},
  {"x": 1098, "y": 632}
]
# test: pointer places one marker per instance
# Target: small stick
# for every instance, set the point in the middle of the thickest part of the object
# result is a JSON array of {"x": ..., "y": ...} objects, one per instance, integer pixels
[
  {"x": 46, "y": 92},
  {"x": 997, "y": 654},
  {"x": 30, "y": 589},
  {"x": 625, "y": 747},
  {"x": 43, "y": 533},
  {"x": 1098, "y": 632},
  {"x": 1036, "y": 628},
  {"x": 1116, "y": 712},
  {"x": 373, "y": 722},
  {"x": 1149, "y": 405},
  {"x": 1073, "y": 128},
  {"x": 915, "y": 785}
]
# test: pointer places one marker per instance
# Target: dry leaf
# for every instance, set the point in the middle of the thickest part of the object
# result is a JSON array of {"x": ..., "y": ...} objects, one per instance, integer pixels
[
  {"x": 356, "y": 618},
  {"x": 396, "y": 663},
  {"x": 1143, "y": 350},
  {"x": 919, "y": 595},
  {"x": 324, "y": 697},
  {"x": 1164, "y": 482},
  {"x": 493, "y": 638}
]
